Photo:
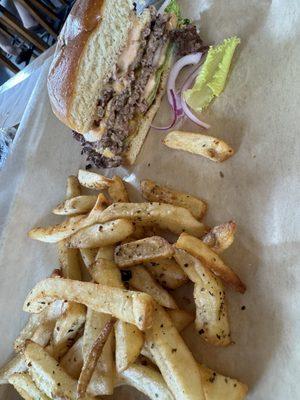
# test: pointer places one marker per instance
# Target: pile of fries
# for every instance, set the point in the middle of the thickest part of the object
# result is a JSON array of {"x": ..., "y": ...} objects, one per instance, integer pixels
[{"x": 121, "y": 325}]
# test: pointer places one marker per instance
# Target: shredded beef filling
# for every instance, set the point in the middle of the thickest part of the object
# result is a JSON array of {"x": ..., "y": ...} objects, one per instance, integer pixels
[
  {"x": 125, "y": 106},
  {"x": 187, "y": 40}
]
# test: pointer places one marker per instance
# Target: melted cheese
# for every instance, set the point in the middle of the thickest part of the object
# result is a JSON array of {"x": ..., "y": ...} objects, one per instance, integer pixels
[{"x": 129, "y": 53}]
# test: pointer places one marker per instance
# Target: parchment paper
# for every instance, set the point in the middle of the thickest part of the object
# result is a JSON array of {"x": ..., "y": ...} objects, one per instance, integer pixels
[{"x": 257, "y": 115}]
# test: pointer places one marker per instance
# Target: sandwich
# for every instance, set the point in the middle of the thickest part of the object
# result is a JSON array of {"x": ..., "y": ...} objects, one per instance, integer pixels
[{"x": 109, "y": 74}]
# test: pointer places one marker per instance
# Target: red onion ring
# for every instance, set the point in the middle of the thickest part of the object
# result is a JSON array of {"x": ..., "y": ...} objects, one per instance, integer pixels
[{"x": 177, "y": 67}]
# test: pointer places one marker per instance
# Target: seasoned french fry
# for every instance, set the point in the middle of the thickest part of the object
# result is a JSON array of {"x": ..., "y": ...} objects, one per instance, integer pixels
[
  {"x": 180, "y": 318},
  {"x": 210, "y": 259},
  {"x": 211, "y": 312},
  {"x": 117, "y": 191},
  {"x": 143, "y": 250},
  {"x": 146, "y": 380},
  {"x": 92, "y": 358},
  {"x": 129, "y": 341},
  {"x": 166, "y": 216},
  {"x": 142, "y": 280},
  {"x": 211, "y": 309},
  {"x": 102, "y": 382},
  {"x": 196, "y": 143},
  {"x": 43, "y": 333},
  {"x": 69, "y": 261},
  {"x": 104, "y": 270},
  {"x": 168, "y": 273},
  {"x": 46, "y": 319},
  {"x": 220, "y": 237},
  {"x": 49, "y": 377},
  {"x": 69, "y": 227},
  {"x": 66, "y": 329},
  {"x": 91, "y": 180},
  {"x": 25, "y": 386},
  {"x": 75, "y": 205},
  {"x": 132, "y": 307},
  {"x": 172, "y": 357},
  {"x": 72, "y": 361},
  {"x": 56, "y": 233},
  {"x": 153, "y": 192},
  {"x": 15, "y": 365},
  {"x": 218, "y": 387},
  {"x": 73, "y": 187},
  {"x": 88, "y": 256},
  {"x": 101, "y": 234}
]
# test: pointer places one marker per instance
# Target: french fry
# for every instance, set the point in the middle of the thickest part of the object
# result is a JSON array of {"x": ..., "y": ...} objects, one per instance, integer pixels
[
  {"x": 153, "y": 192},
  {"x": 220, "y": 237},
  {"x": 166, "y": 216},
  {"x": 75, "y": 205},
  {"x": 172, "y": 357},
  {"x": 91, "y": 180},
  {"x": 211, "y": 309},
  {"x": 88, "y": 256},
  {"x": 72, "y": 361},
  {"x": 48, "y": 376},
  {"x": 69, "y": 227},
  {"x": 132, "y": 307},
  {"x": 104, "y": 270},
  {"x": 142, "y": 280},
  {"x": 129, "y": 341},
  {"x": 143, "y": 250},
  {"x": 69, "y": 261},
  {"x": 210, "y": 259},
  {"x": 25, "y": 386},
  {"x": 207, "y": 146},
  {"x": 101, "y": 234},
  {"x": 218, "y": 387},
  {"x": 211, "y": 313},
  {"x": 102, "y": 380},
  {"x": 73, "y": 187},
  {"x": 215, "y": 386},
  {"x": 180, "y": 318},
  {"x": 47, "y": 317},
  {"x": 15, "y": 365},
  {"x": 117, "y": 191},
  {"x": 56, "y": 233},
  {"x": 168, "y": 273},
  {"x": 146, "y": 380},
  {"x": 43, "y": 333},
  {"x": 92, "y": 358},
  {"x": 66, "y": 329}
]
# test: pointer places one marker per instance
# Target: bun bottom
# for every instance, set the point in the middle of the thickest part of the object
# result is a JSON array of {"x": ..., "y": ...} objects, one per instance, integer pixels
[{"x": 137, "y": 140}]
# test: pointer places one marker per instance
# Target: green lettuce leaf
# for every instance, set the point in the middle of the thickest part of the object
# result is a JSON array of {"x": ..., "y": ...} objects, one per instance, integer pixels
[
  {"x": 212, "y": 78},
  {"x": 174, "y": 8},
  {"x": 158, "y": 75}
]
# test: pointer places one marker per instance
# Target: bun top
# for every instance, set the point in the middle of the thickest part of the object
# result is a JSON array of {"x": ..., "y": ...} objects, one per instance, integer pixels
[
  {"x": 83, "y": 19},
  {"x": 87, "y": 50}
]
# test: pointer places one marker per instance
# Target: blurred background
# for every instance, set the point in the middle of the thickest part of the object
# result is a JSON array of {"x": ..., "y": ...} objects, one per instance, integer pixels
[
  {"x": 27, "y": 29},
  {"x": 28, "y": 32}
]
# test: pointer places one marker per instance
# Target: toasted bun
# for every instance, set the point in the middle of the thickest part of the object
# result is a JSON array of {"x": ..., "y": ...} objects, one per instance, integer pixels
[
  {"x": 137, "y": 141},
  {"x": 86, "y": 53}
]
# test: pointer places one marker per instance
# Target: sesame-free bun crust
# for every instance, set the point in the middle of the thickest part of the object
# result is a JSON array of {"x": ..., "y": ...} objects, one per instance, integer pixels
[{"x": 86, "y": 52}]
